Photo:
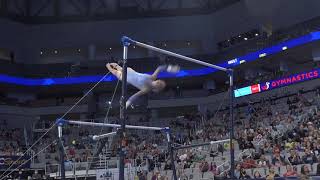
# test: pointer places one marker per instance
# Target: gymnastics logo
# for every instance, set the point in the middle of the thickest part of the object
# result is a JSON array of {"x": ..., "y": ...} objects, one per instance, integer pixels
[
  {"x": 266, "y": 86},
  {"x": 295, "y": 79}
]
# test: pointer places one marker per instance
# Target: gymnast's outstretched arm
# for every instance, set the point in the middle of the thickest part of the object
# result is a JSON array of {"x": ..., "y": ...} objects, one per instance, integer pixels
[
  {"x": 136, "y": 95},
  {"x": 155, "y": 74}
]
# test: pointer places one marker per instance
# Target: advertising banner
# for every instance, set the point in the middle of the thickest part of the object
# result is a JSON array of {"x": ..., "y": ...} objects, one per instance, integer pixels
[{"x": 273, "y": 84}]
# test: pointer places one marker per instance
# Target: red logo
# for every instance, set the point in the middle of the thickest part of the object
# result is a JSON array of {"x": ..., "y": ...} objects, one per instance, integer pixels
[{"x": 255, "y": 88}]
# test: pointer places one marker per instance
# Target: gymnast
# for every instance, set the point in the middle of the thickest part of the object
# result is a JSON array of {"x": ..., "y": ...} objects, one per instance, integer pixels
[{"x": 144, "y": 82}]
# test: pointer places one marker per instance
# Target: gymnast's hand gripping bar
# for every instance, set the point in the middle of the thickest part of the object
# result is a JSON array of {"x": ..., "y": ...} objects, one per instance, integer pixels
[{"x": 126, "y": 41}]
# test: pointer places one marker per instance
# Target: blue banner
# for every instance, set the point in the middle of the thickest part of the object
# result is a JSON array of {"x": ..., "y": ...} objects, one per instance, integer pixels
[{"x": 313, "y": 36}]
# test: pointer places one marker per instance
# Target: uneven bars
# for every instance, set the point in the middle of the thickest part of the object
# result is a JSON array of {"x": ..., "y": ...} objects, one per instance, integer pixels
[
  {"x": 126, "y": 41},
  {"x": 137, "y": 43},
  {"x": 98, "y": 137},
  {"x": 201, "y": 144},
  {"x": 113, "y": 125}
]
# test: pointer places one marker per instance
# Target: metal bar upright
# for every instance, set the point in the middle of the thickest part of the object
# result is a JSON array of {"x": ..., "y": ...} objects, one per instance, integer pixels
[
  {"x": 171, "y": 152},
  {"x": 123, "y": 111},
  {"x": 232, "y": 163},
  {"x": 61, "y": 152}
]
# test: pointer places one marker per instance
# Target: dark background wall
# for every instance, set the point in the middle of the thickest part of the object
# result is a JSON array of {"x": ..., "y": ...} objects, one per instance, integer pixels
[{"x": 27, "y": 40}]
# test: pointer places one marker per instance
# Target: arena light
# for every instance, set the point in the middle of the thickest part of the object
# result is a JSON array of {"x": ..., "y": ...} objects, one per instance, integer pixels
[
  {"x": 233, "y": 61},
  {"x": 262, "y": 55}
]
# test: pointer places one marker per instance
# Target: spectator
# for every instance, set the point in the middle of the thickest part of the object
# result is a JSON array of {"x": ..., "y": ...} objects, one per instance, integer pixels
[
  {"x": 304, "y": 173},
  {"x": 167, "y": 166},
  {"x": 318, "y": 169},
  {"x": 277, "y": 159},
  {"x": 290, "y": 172},
  {"x": 263, "y": 162},
  {"x": 220, "y": 149},
  {"x": 213, "y": 168},
  {"x": 248, "y": 162},
  {"x": 309, "y": 157},
  {"x": 280, "y": 130},
  {"x": 294, "y": 158},
  {"x": 237, "y": 171},
  {"x": 36, "y": 175},
  {"x": 257, "y": 175},
  {"x": 267, "y": 147},
  {"x": 204, "y": 166},
  {"x": 244, "y": 175},
  {"x": 272, "y": 174},
  {"x": 142, "y": 176},
  {"x": 156, "y": 176}
]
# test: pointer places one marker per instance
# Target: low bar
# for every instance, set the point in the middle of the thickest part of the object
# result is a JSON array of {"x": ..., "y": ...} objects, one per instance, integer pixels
[
  {"x": 102, "y": 136},
  {"x": 114, "y": 125},
  {"x": 201, "y": 144}
]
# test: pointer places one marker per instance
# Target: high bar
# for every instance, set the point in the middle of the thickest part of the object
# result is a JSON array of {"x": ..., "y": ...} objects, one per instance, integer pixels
[
  {"x": 201, "y": 144},
  {"x": 128, "y": 41},
  {"x": 114, "y": 125}
]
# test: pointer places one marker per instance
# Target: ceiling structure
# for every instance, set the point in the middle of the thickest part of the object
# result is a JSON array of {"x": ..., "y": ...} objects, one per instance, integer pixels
[{"x": 60, "y": 11}]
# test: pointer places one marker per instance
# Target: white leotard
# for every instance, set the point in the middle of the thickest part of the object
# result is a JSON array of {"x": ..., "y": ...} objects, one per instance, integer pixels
[{"x": 138, "y": 80}]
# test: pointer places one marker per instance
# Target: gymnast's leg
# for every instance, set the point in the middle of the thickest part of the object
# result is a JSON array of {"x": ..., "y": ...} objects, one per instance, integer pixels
[
  {"x": 169, "y": 68},
  {"x": 115, "y": 69}
]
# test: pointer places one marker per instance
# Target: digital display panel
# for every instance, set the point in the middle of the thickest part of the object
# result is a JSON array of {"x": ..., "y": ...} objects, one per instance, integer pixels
[{"x": 273, "y": 84}]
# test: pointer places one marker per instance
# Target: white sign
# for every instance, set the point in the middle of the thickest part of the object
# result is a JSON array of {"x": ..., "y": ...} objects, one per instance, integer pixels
[
  {"x": 113, "y": 173},
  {"x": 233, "y": 61}
]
